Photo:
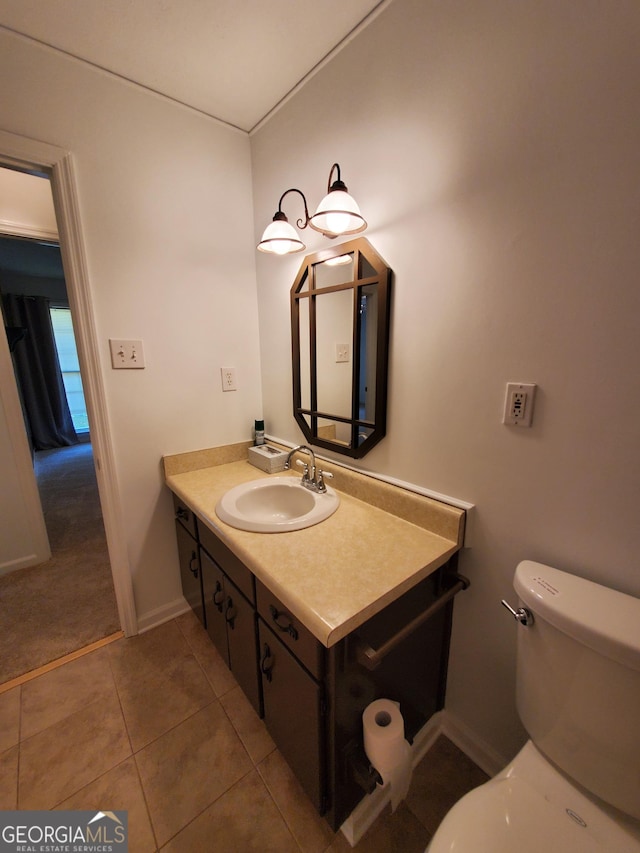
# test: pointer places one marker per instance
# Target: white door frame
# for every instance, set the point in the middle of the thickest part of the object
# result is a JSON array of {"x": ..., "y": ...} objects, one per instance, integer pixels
[{"x": 28, "y": 153}]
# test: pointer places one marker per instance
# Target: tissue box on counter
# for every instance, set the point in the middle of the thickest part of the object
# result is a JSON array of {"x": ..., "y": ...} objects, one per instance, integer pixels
[{"x": 267, "y": 458}]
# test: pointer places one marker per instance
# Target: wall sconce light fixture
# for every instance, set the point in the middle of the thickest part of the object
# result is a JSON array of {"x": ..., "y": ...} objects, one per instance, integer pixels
[{"x": 337, "y": 214}]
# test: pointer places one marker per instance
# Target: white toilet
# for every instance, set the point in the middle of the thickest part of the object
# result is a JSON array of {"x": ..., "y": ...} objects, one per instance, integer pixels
[{"x": 575, "y": 785}]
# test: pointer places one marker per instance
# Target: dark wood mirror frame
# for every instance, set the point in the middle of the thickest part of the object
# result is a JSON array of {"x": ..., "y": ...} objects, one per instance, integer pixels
[{"x": 362, "y": 427}]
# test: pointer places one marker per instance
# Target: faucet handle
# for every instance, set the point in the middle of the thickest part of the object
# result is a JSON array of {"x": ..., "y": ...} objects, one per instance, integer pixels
[
  {"x": 322, "y": 476},
  {"x": 305, "y": 471}
]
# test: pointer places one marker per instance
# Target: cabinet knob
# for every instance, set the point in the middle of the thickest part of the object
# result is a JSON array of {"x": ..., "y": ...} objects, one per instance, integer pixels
[
  {"x": 266, "y": 662},
  {"x": 283, "y": 622},
  {"x": 182, "y": 513}
]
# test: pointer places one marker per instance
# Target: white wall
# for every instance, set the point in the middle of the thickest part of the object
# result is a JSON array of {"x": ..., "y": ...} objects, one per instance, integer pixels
[
  {"x": 494, "y": 148},
  {"x": 165, "y": 204}
]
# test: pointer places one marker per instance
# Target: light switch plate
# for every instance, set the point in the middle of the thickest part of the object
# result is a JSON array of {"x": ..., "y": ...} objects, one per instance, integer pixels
[
  {"x": 343, "y": 352},
  {"x": 126, "y": 355}
]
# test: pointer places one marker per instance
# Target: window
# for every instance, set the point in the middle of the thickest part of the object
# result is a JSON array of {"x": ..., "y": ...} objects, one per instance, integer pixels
[{"x": 68, "y": 358}]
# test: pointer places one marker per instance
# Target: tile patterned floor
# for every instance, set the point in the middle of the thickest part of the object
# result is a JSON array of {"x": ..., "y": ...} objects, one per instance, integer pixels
[{"x": 157, "y": 725}]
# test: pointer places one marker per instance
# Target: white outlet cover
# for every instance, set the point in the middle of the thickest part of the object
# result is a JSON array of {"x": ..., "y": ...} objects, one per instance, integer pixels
[
  {"x": 228, "y": 378},
  {"x": 520, "y": 415}
]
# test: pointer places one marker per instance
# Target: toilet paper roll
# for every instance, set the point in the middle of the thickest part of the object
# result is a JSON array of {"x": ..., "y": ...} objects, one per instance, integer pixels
[{"x": 386, "y": 747}]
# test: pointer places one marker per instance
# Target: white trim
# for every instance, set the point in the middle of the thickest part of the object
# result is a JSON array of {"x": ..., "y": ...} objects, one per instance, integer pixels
[
  {"x": 469, "y": 508},
  {"x": 371, "y": 806},
  {"x": 162, "y": 614},
  {"x": 442, "y": 722},
  {"x": 17, "y": 229},
  {"x": 22, "y": 563},
  {"x": 21, "y": 151}
]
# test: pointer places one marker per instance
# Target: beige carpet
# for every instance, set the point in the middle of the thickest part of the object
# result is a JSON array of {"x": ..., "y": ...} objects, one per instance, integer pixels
[{"x": 50, "y": 610}]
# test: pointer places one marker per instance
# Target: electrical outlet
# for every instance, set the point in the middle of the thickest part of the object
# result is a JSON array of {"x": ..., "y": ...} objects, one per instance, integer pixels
[
  {"x": 342, "y": 352},
  {"x": 228, "y": 375},
  {"x": 126, "y": 355},
  {"x": 518, "y": 404}
]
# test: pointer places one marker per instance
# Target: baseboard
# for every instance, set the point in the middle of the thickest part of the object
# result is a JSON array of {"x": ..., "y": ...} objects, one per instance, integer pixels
[
  {"x": 474, "y": 747},
  {"x": 20, "y": 563},
  {"x": 370, "y": 807},
  {"x": 162, "y": 614}
]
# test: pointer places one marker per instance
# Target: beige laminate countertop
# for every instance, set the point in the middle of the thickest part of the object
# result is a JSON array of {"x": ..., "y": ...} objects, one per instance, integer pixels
[{"x": 337, "y": 574}]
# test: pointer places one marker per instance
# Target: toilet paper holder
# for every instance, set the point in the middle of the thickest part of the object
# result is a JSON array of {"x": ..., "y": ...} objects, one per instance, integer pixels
[{"x": 364, "y": 774}]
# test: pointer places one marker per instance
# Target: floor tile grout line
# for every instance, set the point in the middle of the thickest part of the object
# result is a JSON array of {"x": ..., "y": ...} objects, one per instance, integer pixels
[
  {"x": 172, "y": 727},
  {"x": 95, "y": 778},
  {"x": 194, "y": 651},
  {"x": 66, "y": 716},
  {"x": 237, "y": 733},
  {"x": 115, "y": 684},
  {"x": 280, "y": 812},
  {"x": 175, "y": 725},
  {"x": 254, "y": 764},
  {"x": 146, "y": 802},
  {"x": 252, "y": 769}
]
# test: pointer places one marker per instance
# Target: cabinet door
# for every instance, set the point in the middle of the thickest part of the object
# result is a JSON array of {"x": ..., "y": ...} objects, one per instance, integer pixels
[
  {"x": 190, "y": 574},
  {"x": 293, "y": 713},
  {"x": 240, "y": 617},
  {"x": 214, "y": 604}
]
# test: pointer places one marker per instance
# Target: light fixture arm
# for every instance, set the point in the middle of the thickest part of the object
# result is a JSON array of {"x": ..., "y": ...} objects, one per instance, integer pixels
[
  {"x": 338, "y": 184},
  {"x": 280, "y": 214}
]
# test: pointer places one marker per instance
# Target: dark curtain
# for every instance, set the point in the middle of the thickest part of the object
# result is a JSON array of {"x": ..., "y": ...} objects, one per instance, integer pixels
[{"x": 38, "y": 373}]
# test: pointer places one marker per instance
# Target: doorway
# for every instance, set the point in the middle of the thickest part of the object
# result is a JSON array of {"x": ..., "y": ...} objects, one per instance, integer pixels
[
  {"x": 23, "y": 154},
  {"x": 66, "y": 602}
]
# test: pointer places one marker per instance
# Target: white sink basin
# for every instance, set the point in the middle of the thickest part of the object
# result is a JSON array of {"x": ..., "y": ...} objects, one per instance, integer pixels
[{"x": 275, "y": 505}]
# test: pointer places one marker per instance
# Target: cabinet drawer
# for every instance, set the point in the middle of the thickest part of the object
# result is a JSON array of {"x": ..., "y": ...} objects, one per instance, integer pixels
[
  {"x": 228, "y": 562},
  {"x": 290, "y": 630},
  {"x": 185, "y": 516}
]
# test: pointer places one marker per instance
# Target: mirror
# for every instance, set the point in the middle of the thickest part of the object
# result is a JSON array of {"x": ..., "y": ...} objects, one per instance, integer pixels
[{"x": 340, "y": 339}]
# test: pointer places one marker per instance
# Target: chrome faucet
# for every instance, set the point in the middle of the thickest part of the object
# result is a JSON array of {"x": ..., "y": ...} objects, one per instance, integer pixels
[{"x": 312, "y": 477}]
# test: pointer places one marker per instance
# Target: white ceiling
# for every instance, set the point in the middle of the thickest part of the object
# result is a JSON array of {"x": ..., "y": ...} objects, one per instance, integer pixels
[{"x": 232, "y": 59}]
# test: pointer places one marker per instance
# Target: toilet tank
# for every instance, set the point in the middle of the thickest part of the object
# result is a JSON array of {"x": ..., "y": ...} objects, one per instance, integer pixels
[{"x": 578, "y": 680}]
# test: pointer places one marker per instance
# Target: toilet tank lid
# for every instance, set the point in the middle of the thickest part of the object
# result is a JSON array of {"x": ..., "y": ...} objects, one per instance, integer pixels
[{"x": 603, "y": 619}]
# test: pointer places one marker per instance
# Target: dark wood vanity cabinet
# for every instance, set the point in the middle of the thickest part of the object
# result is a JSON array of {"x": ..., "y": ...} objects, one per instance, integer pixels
[
  {"x": 231, "y": 624},
  {"x": 188, "y": 556},
  {"x": 292, "y": 665},
  {"x": 311, "y": 697},
  {"x": 221, "y": 592}
]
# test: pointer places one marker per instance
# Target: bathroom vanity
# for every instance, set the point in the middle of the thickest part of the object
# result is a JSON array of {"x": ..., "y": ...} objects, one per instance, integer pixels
[{"x": 315, "y": 624}]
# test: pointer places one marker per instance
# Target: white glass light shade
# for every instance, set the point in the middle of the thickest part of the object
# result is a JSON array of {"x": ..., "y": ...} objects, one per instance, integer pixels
[
  {"x": 280, "y": 238},
  {"x": 338, "y": 213}
]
